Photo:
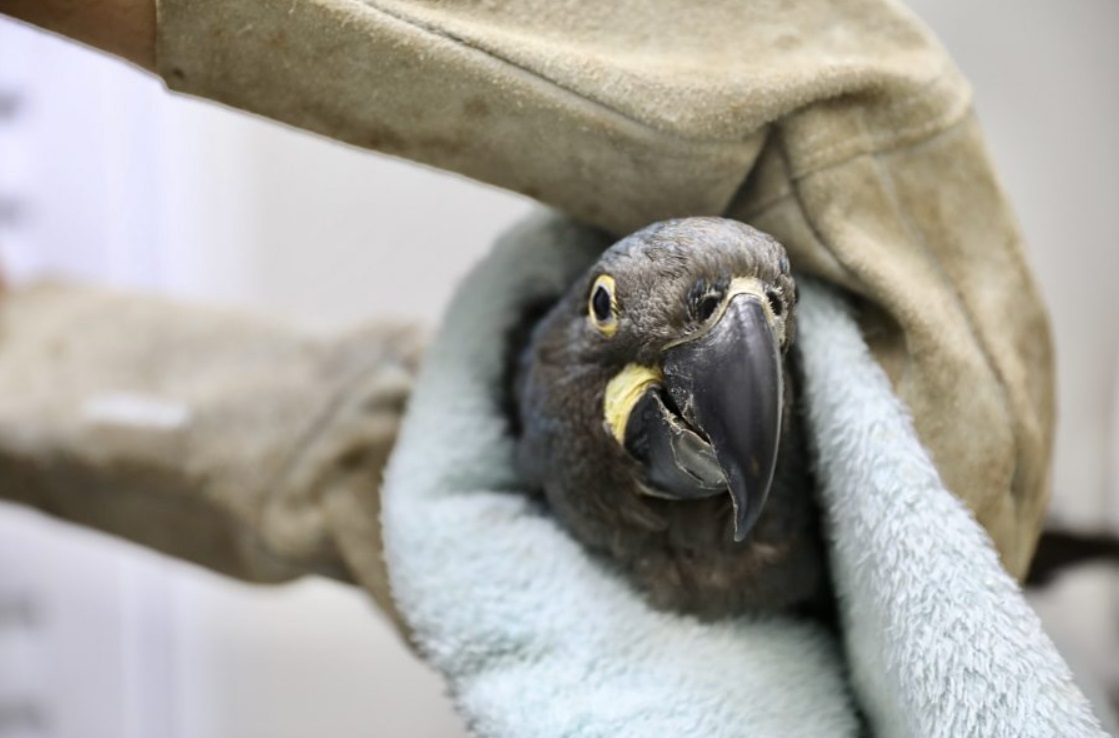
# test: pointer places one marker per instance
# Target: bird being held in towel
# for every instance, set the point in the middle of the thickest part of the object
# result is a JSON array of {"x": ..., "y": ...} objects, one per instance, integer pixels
[{"x": 656, "y": 405}]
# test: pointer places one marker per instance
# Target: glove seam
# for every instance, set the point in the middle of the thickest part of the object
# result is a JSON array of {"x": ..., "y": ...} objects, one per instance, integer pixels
[{"x": 764, "y": 207}]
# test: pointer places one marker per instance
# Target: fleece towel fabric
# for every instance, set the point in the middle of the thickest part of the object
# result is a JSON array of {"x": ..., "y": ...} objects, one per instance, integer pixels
[{"x": 538, "y": 638}]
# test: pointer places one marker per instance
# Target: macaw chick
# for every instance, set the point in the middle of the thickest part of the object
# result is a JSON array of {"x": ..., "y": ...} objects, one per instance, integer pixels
[{"x": 657, "y": 415}]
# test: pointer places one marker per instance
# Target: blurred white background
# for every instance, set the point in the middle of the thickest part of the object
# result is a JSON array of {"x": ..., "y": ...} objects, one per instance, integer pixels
[{"x": 104, "y": 175}]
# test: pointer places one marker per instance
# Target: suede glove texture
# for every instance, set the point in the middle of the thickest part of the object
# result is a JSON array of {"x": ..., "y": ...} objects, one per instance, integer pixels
[{"x": 839, "y": 126}]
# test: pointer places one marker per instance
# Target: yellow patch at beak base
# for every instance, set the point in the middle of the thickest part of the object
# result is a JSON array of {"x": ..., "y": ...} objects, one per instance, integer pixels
[{"x": 623, "y": 392}]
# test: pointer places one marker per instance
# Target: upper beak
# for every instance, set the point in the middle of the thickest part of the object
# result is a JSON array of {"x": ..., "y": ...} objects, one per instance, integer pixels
[{"x": 719, "y": 427}]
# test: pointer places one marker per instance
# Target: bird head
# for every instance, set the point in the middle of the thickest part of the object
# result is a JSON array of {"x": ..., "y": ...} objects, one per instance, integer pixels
[{"x": 684, "y": 327}]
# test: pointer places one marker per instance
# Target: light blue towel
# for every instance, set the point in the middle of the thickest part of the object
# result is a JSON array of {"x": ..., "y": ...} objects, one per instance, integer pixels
[{"x": 536, "y": 638}]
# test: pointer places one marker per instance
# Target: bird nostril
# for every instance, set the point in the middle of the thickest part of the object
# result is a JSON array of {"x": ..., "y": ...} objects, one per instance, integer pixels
[
  {"x": 775, "y": 303},
  {"x": 707, "y": 307}
]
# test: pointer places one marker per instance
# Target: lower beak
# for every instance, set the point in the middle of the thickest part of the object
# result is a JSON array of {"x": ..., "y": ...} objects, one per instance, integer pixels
[{"x": 719, "y": 427}]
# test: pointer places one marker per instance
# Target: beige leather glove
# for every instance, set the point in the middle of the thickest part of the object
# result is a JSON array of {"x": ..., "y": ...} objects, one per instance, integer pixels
[
  {"x": 225, "y": 440},
  {"x": 841, "y": 127}
]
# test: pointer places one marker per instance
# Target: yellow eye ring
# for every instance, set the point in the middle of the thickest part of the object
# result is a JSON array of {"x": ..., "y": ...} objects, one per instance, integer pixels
[{"x": 602, "y": 305}]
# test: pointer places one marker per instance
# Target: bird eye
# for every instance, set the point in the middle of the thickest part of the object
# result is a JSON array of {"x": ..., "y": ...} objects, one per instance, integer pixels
[
  {"x": 775, "y": 302},
  {"x": 602, "y": 306}
]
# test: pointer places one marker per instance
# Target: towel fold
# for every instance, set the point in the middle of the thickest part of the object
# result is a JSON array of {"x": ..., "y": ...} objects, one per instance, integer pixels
[{"x": 539, "y": 638}]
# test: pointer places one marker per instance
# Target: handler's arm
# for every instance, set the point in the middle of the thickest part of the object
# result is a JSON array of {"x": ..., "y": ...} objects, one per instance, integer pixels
[
  {"x": 227, "y": 440},
  {"x": 857, "y": 148}
]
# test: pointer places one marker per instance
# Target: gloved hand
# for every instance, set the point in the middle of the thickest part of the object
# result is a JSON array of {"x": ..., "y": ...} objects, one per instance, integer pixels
[
  {"x": 539, "y": 638},
  {"x": 229, "y": 440}
]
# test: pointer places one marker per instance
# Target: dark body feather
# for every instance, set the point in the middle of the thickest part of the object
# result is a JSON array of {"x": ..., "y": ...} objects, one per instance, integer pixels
[{"x": 682, "y": 554}]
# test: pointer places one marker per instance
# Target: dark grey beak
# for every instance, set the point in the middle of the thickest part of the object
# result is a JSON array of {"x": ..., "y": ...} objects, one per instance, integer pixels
[{"x": 716, "y": 424}]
